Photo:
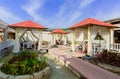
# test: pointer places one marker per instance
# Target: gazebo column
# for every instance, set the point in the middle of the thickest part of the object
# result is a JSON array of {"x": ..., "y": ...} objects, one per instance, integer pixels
[
  {"x": 108, "y": 45},
  {"x": 111, "y": 38},
  {"x": 73, "y": 40},
  {"x": 89, "y": 42},
  {"x": 17, "y": 44},
  {"x": 54, "y": 37},
  {"x": 40, "y": 40},
  {"x": 65, "y": 39}
]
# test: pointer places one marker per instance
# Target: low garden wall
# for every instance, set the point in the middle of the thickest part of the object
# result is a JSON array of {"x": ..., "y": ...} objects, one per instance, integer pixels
[
  {"x": 109, "y": 67},
  {"x": 43, "y": 74}
]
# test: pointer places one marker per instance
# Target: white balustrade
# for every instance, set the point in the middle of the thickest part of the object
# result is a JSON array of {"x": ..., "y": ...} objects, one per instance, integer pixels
[
  {"x": 115, "y": 46},
  {"x": 97, "y": 48}
]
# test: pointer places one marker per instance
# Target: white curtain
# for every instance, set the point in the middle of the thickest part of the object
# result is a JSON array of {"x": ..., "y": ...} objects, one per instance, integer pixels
[
  {"x": 77, "y": 33},
  {"x": 21, "y": 31},
  {"x": 101, "y": 30},
  {"x": 29, "y": 35},
  {"x": 81, "y": 34},
  {"x": 94, "y": 31},
  {"x": 104, "y": 34}
]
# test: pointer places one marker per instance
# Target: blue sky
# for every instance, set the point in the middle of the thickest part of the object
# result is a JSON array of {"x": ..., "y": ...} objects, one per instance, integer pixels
[{"x": 58, "y": 13}]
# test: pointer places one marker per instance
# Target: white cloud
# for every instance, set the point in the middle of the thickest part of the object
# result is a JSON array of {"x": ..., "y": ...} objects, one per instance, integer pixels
[
  {"x": 8, "y": 16},
  {"x": 62, "y": 10},
  {"x": 113, "y": 13},
  {"x": 74, "y": 16},
  {"x": 68, "y": 13},
  {"x": 31, "y": 8},
  {"x": 85, "y": 3}
]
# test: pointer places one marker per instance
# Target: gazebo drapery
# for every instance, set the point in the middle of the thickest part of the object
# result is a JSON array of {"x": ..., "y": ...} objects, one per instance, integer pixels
[
  {"x": 88, "y": 23},
  {"x": 25, "y": 26},
  {"x": 60, "y": 34}
]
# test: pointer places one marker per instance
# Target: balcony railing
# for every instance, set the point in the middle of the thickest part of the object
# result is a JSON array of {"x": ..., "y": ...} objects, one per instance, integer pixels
[
  {"x": 115, "y": 47},
  {"x": 5, "y": 45}
]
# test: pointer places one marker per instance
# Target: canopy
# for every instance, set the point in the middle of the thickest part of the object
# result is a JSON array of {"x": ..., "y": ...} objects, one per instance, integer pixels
[
  {"x": 91, "y": 21},
  {"x": 27, "y": 24},
  {"x": 59, "y": 31}
]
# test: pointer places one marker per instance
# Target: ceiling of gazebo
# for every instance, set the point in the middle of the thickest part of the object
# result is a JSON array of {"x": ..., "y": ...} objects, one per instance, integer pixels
[
  {"x": 91, "y": 21},
  {"x": 27, "y": 24}
]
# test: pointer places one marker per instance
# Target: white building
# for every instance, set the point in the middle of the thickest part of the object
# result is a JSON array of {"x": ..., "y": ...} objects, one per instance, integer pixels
[
  {"x": 4, "y": 42},
  {"x": 115, "y": 34}
]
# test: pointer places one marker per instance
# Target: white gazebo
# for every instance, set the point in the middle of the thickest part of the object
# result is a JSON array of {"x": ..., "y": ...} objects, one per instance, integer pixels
[
  {"x": 59, "y": 34},
  {"x": 24, "y": 31},
  {"x": 94, "y": 32}
]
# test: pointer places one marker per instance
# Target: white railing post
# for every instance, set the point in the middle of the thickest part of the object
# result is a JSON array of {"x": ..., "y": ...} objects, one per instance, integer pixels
[
  {"x": 0, "y": 47},
  {"x": 116, "y": 46},
  {"x": 94, "y": 48},
  {"x": 119, "y": 48}
]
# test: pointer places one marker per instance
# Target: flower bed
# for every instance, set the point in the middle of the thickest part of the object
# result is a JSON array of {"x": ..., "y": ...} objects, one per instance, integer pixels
[
  {"x": 43, "y": 74},
  {"x": 25, "y": 63},
  {"x": 109, "y": 58}
]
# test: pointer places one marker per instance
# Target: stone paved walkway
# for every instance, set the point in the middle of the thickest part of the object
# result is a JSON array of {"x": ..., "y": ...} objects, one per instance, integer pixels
[{"x": 85, "y": 68}]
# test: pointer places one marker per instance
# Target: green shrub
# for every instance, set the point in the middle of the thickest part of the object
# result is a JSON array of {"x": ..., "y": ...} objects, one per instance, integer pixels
[{"x": 24, "y": 63}]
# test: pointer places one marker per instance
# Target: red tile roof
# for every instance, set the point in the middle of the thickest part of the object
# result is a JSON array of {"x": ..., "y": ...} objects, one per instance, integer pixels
[
  {"x": 91, "y": 21},
  {"x": 60, "y": 31},
  {"x": 27, "y": 24}
]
